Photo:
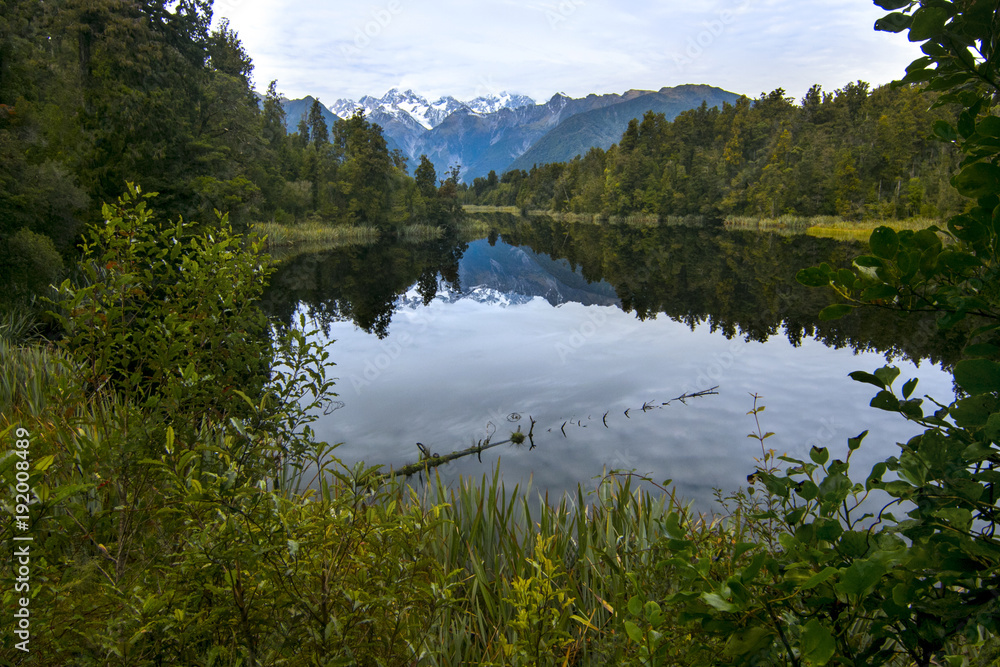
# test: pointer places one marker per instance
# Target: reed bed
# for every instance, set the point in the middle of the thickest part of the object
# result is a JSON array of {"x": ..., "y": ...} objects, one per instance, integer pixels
[
  {"x": 825, "y": 226},
  {"x": 17, "y": 325},
  {"x": 418, "y": 233},
  {"x": 26, "y": 373},
  {"x": 313, "y": 231},
  {"x": 565, "y": 216},
  {"x": 860, "y": 230},
  {"x": 635, "y": 220},
  {"x": 581, "y": 559},
  {"x": 475, "y": 208},
  {"x": 473, "y": 228},
  {"x": 788, "y": 224}
]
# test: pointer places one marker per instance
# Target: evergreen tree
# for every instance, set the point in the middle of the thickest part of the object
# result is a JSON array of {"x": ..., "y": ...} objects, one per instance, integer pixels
[{"x": 318, "y": 130}]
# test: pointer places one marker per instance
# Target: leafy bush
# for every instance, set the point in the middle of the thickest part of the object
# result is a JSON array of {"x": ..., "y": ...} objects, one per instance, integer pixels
[
  {"x": 29, "y": 263},
  {"x": 165, "y": 317}
]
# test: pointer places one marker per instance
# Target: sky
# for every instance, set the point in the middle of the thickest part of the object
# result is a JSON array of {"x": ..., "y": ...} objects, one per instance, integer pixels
[{"x": 463, "y": 48}]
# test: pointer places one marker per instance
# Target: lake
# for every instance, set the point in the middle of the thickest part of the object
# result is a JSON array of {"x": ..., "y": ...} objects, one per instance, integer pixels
[{"x": 585, "y": 334}]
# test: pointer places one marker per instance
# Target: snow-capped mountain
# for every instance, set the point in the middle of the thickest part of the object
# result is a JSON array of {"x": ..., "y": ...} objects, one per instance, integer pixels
[
  {"x": 491, "y": 103},
  {"x": 407, "y": 105},
  {"x": 504, "y": 131}
]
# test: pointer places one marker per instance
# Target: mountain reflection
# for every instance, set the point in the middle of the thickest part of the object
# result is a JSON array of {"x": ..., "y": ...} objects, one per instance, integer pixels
[{"x": 739, "y": 283}]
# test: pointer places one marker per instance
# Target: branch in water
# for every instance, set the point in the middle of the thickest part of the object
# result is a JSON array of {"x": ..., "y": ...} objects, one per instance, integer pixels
[{"x": 429, "y": 460}]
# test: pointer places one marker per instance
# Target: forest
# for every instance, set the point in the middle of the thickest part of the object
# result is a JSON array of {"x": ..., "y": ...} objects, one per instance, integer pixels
[
  {"x": 98, "y": 93},
  {"x": 167, "y": 502},
  {"x": 856, "y": 153}
]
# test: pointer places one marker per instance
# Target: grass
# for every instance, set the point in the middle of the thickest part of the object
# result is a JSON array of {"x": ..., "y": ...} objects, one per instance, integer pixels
[
  {"x": 583, "y": 557},
  {"x": 860, "y": 230},
  {"x": 25, "y": 374},
  {"x": 316, "y": 232},
  {"x": 825, "y": 226}
]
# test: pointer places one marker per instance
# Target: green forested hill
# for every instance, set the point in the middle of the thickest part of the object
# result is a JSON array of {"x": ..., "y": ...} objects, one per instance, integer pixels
[
  {"x": 604, "y": 126},
  {"x": 856, "y": 152},
  {"x": 97, "y": 94}
]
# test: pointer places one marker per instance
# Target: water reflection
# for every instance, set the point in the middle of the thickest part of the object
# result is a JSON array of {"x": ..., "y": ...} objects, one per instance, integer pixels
[
  {"x": 578, "y": 327},
  {"x": 739, "y": 283}
]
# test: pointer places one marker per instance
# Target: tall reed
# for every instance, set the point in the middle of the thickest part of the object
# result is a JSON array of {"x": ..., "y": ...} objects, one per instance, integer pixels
[
  {"x": 601, "y": 550},
  {"x": 313, "y": 231},
  {"x": 25, "y": 375},
  {"x": 418, "y": 233}
]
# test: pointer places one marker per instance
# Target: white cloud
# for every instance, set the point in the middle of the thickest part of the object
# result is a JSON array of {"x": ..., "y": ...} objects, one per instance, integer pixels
[{"x": 539, "y": 47}]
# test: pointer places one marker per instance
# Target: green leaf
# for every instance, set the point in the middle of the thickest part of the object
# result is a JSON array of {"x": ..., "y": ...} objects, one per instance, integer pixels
[
  {"x": 981, "y": 350},
  {"x": 978, "y": 376},
  {"x": 834, "y": 488},
  {"x": 836, "y": 311},
  {"x": 807, "y": 490},
  {"x": 966, "y": 125},
  {"x": 869, "y": 261},
  {"x": 992, "y": 430},
  {"x": 718, "y": 602},
  {"x": 43, "y": 463},
  {"x": 818, "y": 644},
  {"x": 635, "y": 605},
  {"x": 819, "y": 455},
  {"x": 957, "y": 517},
  {"x": 884, "y": 242},
  {"x": 989, "y": 127},
  {"x": 634, "y": 633},
  {"x": 860, "y": 576},
  {"x": 944, "y": 130},
  {"x": 885, "y": 400},
  {"x": 889, "y": 5},
  {"x": 813, "y": 277},
  {"x": 973, "y": 411},
  {"x": 977, "y": 180},
  {"x": 895, "y": 22},
  {"x": 819, "y": 578},
  {"x": 909, "y": 386},
  {"x": 868, "y": 378},
  {"x": 927, "y": 22},
  {"x": 855, "y": 442},
  {"x": 748, "y": 642},
  {"x": 887, "y": 374},
  {"x": 879, "y": 293}
]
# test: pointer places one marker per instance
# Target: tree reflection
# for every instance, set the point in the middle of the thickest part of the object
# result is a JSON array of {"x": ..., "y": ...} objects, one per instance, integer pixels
[
  {"x": 740, "y": 283},
  {"x": 361, "y": 283}
]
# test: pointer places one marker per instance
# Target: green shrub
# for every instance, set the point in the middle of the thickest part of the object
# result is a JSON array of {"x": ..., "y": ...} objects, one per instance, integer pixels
[
  {"x": 167, "y": 317},
  {"x": 29, "y": 263}
]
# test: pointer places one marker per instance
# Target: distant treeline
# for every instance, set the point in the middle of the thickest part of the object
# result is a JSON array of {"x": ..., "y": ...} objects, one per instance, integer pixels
[
  {"x": 99, "y": 93},
  {"x": 855, "y": 153}
]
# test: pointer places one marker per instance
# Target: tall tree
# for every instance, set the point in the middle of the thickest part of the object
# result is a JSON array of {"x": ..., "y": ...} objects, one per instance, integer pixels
[{"x": 318, "y": 130}]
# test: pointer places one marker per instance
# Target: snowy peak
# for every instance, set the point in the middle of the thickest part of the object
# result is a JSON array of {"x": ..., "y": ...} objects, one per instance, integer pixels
[
  {"x": 345, "y": 108},
  {"x": 408, "y": 105},
  {"x": 492, "y": 103}
]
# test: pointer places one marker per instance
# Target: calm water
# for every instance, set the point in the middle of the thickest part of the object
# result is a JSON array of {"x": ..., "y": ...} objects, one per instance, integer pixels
[{"x": 574, "y": 326}]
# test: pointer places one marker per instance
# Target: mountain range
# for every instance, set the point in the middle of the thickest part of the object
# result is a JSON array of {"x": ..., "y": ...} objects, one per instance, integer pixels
[{"x": 508, "y": 131}]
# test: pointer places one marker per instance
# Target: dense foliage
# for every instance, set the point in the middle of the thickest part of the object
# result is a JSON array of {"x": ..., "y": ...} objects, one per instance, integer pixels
[
  {"x": 855, "y": 153},
  {"x": 98, "y": 93},
  {"x": 181, "y": 512}
]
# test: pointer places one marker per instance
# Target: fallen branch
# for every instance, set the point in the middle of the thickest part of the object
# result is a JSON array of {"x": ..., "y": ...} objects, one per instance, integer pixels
[{"x": 430, "y": 460}]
